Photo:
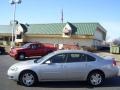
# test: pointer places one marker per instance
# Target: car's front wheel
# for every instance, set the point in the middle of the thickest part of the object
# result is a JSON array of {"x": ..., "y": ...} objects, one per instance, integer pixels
[
  {"x": 21, "y": 56},
  {"x": 28, "y": 78},
  {"x": 95, "y": 78}
]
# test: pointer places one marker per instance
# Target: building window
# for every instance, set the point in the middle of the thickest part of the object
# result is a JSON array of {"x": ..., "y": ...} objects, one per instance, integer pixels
[
  {"x": 19, "y": 36},
  {"x": 1, "y": 38},
  {"x": 66, "y": 32}
]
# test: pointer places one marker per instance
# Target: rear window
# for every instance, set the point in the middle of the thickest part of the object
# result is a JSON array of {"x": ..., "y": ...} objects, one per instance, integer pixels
[{"x": 90, "y": 58}]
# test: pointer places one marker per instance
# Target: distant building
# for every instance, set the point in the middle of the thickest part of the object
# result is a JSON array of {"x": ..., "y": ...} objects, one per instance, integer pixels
[{"x": 82, "y": 34}]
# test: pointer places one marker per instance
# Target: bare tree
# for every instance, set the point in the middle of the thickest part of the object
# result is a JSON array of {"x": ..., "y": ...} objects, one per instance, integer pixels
[{"x": 116, "y": 41}]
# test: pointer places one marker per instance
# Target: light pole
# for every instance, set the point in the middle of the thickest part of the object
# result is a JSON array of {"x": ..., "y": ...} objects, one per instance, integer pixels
[{"x": 14, "y": 3}]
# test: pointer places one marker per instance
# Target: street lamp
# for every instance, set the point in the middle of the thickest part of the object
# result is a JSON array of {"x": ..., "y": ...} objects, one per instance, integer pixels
[{"x": 14, "y": 3}]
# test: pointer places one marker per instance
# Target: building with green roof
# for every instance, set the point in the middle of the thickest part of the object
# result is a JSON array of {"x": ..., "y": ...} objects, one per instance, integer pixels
[{"x": 82, "y": 34}]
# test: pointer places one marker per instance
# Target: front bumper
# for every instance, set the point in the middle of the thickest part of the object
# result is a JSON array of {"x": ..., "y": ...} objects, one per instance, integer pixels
[
  {"x": 13, "y": 55},
  {"x": 13, "y": 75}
]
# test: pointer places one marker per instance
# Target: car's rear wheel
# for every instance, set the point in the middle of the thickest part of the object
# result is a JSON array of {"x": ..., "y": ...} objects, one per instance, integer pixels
[
  {"x": 28, "y": 78},
  {"x": 95, "y": 78},
  {"x": 21, "y": 56}
]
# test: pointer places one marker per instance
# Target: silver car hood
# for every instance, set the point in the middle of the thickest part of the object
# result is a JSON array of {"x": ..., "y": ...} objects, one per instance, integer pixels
[{"x": 24, "y": 63}]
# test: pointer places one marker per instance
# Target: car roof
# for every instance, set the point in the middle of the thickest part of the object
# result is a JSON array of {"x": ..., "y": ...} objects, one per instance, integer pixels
[
  {"x": 32, "y": 43},
  {"x": 73, "y": 51},
  {"x": 76, "y": 51}
]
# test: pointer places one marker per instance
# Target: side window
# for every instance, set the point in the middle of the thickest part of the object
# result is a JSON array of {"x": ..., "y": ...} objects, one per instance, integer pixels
[
  {"x": 90, "y": 58},
  {"x": 39, "y": 46},
  {"x": 33, "y": 46},
  {"x": 60, "y": 58},
  {"x": 76, "y": 57},
  {"x": 83, "y": 58}
]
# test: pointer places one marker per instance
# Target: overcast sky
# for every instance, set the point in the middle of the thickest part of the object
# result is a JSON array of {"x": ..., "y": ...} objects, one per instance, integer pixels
[{"x": 106, "y": 12}]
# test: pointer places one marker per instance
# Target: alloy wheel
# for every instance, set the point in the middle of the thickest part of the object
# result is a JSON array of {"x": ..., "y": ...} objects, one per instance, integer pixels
[
  {"x": 28, "y": 79},
  {"x": 95, "y": 79}
]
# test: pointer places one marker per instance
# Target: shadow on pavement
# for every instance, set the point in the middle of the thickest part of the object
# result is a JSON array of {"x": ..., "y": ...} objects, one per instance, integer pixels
[{"x": 114, "y": 82}]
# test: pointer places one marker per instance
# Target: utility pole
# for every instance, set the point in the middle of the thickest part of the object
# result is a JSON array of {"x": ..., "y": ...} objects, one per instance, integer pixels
[
  {"x": 62, "y": 16},
  {"x": 14, "y": 3}
]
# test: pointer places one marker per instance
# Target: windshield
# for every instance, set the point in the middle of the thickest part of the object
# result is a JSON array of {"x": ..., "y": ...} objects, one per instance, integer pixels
[
  {"x": 26, "y": 45},
  {"x": 44, "y": 57}
]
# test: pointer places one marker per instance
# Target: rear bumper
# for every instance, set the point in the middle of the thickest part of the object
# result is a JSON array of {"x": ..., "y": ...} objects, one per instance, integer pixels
[{"x": 114, "y": 72}]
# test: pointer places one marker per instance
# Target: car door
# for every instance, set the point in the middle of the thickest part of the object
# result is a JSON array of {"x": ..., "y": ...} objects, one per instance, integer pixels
[
  {"x": 52, "y": 69},
  {"x": 75, "y": 67},
  {"x": 40, "y": 50},
  {"x": 31, "y": 51},
  {"x": 34, "y": 50}
]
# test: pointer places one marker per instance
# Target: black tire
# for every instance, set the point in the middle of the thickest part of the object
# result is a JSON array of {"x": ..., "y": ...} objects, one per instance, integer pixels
[
  {"x": 1, "y": 52},
  {"x": 95, "y": 78},
  {"x": 28, "y": 78},
  {"x": 21, "y": 56}
]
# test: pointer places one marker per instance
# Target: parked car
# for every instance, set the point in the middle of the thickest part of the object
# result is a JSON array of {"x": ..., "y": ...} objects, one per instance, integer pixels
[
  {"x": 64, "y": 65},
  {"x": 104, "y": 48},
  {"x": 2, "y": 50},
  {"x": 31, "y": 49}
]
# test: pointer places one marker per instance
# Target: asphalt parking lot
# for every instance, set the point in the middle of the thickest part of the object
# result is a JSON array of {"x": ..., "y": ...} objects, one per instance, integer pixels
[{"x": 5, "y": 84}]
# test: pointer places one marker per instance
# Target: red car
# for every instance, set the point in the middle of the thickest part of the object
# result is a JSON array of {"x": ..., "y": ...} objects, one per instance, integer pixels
[{"x": 31, "y": 49}]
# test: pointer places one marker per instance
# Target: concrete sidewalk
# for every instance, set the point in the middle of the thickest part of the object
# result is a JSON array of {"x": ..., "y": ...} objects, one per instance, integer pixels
[{"x": 104, "y": 54}]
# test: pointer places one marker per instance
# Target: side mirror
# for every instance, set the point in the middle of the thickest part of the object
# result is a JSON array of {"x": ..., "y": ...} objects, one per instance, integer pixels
[{"x": 48, "y": 62}]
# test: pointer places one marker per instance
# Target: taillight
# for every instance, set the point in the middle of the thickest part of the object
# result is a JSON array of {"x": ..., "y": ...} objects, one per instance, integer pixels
[{"x": 114, "y": 63}]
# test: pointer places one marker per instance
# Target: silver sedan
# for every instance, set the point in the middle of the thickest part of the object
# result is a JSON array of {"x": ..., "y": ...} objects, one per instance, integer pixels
[{"x": 64, "y": 65}]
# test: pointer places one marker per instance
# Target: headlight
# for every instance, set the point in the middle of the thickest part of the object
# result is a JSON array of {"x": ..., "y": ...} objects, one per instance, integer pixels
[{"x": 13, "y": 68}]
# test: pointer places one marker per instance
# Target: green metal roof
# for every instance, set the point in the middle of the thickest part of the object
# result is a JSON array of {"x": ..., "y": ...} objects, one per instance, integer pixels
[
  {"x": 85, "y": 28},
  {"x": 45, "y": 28},
  {"x": 57, "y": 28}
]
